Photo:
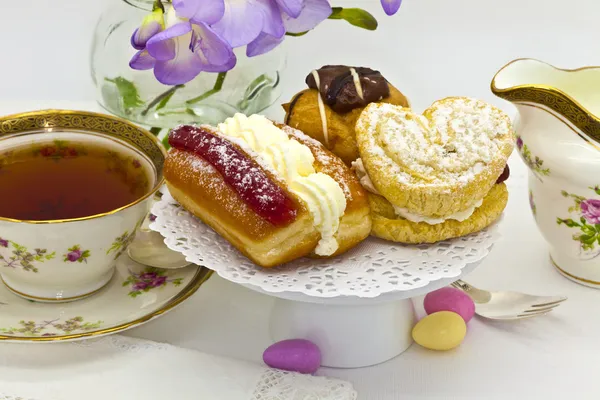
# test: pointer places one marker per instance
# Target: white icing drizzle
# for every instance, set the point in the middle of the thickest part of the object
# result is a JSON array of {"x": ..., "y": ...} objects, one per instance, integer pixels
[
  {"x": 357, "y": 83},
  {"x": 315, "y": 74}
]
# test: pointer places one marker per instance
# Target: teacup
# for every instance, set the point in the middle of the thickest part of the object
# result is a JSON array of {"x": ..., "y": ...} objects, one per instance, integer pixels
[{"x": 52, "y": 259}]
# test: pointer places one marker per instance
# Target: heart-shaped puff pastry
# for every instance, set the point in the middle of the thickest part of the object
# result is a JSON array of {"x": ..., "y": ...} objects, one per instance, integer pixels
[{"x": 436, "y": 164}]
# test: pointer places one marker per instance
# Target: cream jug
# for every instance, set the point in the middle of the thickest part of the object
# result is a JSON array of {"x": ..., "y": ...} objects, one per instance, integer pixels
[{"x": 558, "y": 137}]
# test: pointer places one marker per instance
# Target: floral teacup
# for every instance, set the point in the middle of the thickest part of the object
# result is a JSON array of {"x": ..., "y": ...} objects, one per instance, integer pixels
[{"x": 64, "y": 260}]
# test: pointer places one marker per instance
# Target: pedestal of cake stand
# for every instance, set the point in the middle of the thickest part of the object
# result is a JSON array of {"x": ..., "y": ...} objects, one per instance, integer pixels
[{"x": 351, "y": 332}]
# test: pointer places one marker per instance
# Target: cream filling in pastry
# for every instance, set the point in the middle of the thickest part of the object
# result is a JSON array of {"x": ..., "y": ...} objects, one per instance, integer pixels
[
  {"x": 366, "y": 182},
  {"x": 294, "y": 163},
  {"x": 458, "y": 216}
]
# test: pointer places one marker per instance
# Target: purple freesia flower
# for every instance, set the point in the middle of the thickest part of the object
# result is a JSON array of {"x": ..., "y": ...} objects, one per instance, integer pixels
[
  {"x": 74, "y": 255},
  {"x": 3, "y": 242},
  {"x": 391, "y": 6},
  {"x": 151, "y": 25},
  {"x": 200, "y": 10},
  {"x": 591, "y": 210},
  {"x": 312, "y": 14},
  {"x": 244, "y": 20},
  {"x": 185, "y": 37},
  {"x": 184, "y": 49}
]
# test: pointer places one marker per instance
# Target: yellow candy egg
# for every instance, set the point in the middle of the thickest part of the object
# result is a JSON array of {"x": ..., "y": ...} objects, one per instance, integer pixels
[{"x": 443, "y": 330}]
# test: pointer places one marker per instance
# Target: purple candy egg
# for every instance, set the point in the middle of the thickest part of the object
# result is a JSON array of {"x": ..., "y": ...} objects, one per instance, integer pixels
[
  {"x": 450, "y": 299},
  {"x": 296, "y": 355}
]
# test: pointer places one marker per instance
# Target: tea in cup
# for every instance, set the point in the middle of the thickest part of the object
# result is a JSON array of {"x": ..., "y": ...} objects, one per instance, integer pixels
[{"x": 75, "y": 188}]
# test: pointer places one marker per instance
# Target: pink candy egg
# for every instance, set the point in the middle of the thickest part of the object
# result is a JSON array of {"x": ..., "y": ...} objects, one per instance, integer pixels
[
  {"x": 296, "y": 355},
  {"x": 450, "y": 299}
]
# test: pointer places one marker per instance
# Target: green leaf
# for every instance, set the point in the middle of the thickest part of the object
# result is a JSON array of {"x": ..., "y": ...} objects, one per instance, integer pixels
[
  {"x": 583, "y": 220},
  {"x": 587, "y": 239},
  {"x": 568, "y": 222},
  {"x": 216, "y": 88},
  {"x": 161, "y": 100},
  {"x": 355, "y": 16},
  {"x": 19, "y": 247},
  {"x": 165, "y": 142},
  {"x": 155, "y": 130},
  {"x": 588, "y": 230},
  {"x": 128, "y": 92},
  {"x": 296, "y": 34},
  {"x": 61, "y": 144},
  {"x": 253, "y": 89},
  {"x": 588, "y": 246}
]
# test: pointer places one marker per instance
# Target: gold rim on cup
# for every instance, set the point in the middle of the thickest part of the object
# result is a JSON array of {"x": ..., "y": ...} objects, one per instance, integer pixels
[{"x": 48, "y": 121}]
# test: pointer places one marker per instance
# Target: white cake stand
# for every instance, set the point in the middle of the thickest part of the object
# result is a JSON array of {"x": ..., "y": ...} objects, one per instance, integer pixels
[
  {"x": 351, "y": 331},
  {"x": 356, "y": 307}
]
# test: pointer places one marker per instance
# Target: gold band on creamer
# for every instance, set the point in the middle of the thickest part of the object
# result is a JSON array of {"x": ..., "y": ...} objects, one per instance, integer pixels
[
  {"x": 562, "y": 271},
  {"x": 559, "y": 116},
  {"x": 555, "y": 99}
]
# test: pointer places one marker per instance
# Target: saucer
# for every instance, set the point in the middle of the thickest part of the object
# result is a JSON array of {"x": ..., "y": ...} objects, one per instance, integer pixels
[{"x": 135, "y": 295}]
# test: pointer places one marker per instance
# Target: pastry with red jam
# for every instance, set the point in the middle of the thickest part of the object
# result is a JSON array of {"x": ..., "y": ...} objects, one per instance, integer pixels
[
  {"x": 327, "y": 110},
  {"x": 274, "y": 193}
]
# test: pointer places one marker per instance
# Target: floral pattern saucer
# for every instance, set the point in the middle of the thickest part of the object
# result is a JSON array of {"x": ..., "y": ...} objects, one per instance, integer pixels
[{"x": 135, "y": 295}]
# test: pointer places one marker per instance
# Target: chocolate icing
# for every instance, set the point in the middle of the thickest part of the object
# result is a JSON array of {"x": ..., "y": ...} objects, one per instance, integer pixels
[
  {"x": 339, "y": 92},
  {"x": 504, "y": 176}
]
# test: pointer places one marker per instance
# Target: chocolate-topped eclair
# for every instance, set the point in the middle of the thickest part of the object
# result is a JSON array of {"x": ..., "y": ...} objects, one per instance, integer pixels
[
  {"x": 336, "y": 95},
  {"x": 345, "y": 88}
]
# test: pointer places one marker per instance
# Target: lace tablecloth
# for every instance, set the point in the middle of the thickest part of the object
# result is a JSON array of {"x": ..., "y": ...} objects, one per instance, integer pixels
[{"x": 126, "y": 368}]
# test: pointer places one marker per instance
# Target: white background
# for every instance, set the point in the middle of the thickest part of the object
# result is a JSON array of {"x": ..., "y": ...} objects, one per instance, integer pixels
[{"x": 430, "y": 49}]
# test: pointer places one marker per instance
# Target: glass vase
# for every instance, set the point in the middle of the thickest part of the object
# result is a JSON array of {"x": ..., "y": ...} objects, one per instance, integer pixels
[{"x": 250, "y": 87}]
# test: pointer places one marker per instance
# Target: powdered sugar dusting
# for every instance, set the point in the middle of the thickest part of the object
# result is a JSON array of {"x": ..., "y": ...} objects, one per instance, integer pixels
[
  {"x": 240, "y": 172},
  {"x": 451, "y": 143}
]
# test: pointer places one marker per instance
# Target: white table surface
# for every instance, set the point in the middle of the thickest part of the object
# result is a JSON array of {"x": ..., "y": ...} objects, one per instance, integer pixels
[{"x": 431, "y": 49}]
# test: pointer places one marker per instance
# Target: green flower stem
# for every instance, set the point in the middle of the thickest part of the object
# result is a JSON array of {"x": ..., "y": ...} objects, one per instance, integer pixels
[
  {"x": 296, "y": 34},
  {"x": 158, "y": 5},
  {"x": 355, "y": 16},
  {"x": 155, "y": 130},
  {"x": 162, "y": 99},
  {"x": 215, "y": 89},
  {"x": 165, "y": 142}
]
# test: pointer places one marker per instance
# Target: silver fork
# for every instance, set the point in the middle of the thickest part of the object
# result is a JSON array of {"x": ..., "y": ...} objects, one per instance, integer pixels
[{"x": 504, "y": 305}]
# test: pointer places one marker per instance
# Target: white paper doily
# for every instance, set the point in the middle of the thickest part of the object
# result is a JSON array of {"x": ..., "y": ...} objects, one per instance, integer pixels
[{"x": 373, "y": 268}]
